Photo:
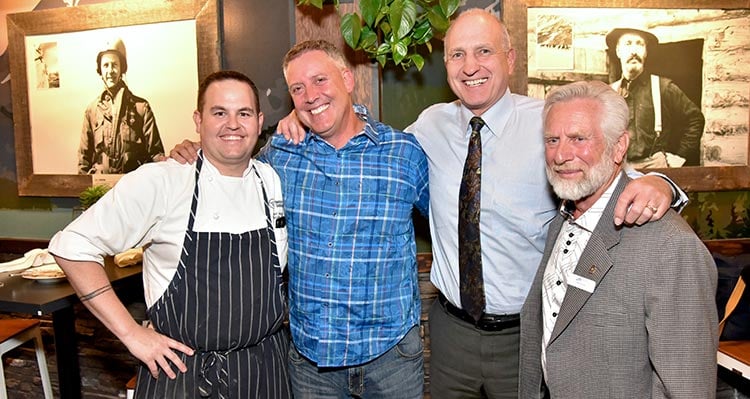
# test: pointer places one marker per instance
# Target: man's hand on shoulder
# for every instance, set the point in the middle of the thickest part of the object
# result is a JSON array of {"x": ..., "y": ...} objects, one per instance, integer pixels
[
  {"x": 644, "y": 199},
  {"x": 291, "y": 128},
  {"x": 185, "y": 152}
]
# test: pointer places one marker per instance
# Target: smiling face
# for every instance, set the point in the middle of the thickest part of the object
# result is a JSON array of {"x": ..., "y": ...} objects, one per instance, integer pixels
[
  {"x": 477, "y": 61},
  {"x": 631, "y": 50},
  {"x": 580, "y": 165},
  {"x": 111, "y": 69},
  {"x": 321, "y": 91},
  {"x": 229, "y": 124}
]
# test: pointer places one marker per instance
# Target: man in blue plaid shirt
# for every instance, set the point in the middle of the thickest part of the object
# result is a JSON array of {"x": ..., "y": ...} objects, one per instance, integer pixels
[{"x": 349, "y": 188}]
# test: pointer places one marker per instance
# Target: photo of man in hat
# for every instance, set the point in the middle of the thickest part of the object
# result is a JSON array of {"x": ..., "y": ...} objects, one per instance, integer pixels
[
  {"x": 665, "y": 125},
  {"x": 119, "y": 128}
]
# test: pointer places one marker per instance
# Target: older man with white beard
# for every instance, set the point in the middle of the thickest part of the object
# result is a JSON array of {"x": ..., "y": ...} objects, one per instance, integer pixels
[{"x": 613, "y": 312}]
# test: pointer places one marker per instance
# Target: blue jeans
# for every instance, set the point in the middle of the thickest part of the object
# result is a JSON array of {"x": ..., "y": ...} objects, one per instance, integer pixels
[{"x": 396, "y": 374}]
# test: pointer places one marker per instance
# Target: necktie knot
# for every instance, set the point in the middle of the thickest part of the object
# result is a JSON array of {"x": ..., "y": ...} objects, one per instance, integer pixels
[{"x": 476, "y": 124}]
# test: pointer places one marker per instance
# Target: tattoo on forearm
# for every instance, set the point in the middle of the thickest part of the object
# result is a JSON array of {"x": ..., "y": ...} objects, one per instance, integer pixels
[{"x": 93, "y": 294}]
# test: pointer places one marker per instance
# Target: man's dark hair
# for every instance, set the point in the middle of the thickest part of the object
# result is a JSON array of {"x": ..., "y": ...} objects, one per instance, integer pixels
[{"x": 221, "y": 76}]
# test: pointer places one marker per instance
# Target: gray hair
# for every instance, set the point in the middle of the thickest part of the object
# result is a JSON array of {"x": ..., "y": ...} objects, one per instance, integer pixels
[
  {"x": 333, "y": 52},
  {"x": 614, "y": 116}
]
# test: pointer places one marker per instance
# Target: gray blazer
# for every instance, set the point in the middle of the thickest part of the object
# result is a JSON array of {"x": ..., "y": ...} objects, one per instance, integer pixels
[{"x": 649, "y": 329}]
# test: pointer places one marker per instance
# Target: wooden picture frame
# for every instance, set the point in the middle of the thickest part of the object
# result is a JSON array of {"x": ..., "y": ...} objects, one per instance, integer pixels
[
  {"x": 692, "y": 178},
  {"x": 200, "y": 16}
]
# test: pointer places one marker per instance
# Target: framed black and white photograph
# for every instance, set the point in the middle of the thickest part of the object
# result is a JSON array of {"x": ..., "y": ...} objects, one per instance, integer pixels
[
  {"x": 687, "y": 57},
  {"x": 101, "y": 89}
]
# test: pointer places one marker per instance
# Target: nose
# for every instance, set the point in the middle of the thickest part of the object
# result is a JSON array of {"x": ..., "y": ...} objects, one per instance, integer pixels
[
  {"x": 563, "y": 152},
  {"x": 311, "y": 95},
  {"x": 233, "y": 122},
  {"x": 471, "y": 64}
]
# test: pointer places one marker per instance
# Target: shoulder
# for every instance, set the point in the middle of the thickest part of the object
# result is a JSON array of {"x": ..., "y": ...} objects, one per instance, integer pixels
[
  {"x": 439, "y": 110},
  {"x": 158, "y": 175},
  {"x": 524, "y": 104}
]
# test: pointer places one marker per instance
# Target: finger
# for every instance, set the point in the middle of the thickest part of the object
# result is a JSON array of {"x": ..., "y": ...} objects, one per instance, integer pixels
[
  {"x": 153, "y": 369},
  {"x": 621, "y": 210},
  {"x": 165, "y": 365},
  {"x": 176, "y": 361},
  {"x": 635, "y": 215}
]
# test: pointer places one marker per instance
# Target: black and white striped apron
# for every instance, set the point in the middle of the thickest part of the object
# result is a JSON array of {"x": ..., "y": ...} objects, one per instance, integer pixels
[{"x": 226, "y": 301}]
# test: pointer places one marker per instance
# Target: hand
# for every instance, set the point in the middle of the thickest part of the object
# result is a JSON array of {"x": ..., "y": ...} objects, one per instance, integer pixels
[
  {"x": 156, "y": 351},
  {"x": 185, "y": 152},
  {"x": 644, "y": 199},
  {"x": 291, "y": 128}
]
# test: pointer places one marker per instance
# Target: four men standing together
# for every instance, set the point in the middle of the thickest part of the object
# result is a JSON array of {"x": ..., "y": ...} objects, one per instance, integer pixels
[{"x": 349, "y": 187}]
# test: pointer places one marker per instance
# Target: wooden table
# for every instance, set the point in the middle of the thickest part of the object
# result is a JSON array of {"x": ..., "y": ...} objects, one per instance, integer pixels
[{"x": 20, "y": 295}]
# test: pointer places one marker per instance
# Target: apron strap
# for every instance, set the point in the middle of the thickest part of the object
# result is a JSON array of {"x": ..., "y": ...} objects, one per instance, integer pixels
[{"x": 196, "y": 191}]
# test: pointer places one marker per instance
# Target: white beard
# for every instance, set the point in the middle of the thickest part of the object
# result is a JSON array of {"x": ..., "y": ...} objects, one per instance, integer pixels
[{"x": 591, "y": 181}]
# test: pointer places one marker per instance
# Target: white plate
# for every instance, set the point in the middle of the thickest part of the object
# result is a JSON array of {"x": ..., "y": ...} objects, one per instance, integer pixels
[{"x": 45, "y": 274}]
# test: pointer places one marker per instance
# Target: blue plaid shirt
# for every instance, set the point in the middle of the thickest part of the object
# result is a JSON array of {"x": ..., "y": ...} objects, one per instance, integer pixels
[{"x": 353, "y": 289}]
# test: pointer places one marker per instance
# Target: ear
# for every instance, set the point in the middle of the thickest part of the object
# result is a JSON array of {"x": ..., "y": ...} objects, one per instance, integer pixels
[
  {"x": 621, "y": 148},
  {"x": 348, "y": 77},
  {"x": 197, "y": 118},
  {"x": 511, "y": 56}
]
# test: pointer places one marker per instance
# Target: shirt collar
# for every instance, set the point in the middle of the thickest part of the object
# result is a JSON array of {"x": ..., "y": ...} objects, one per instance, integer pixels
[
  {"x": 211, "y": 170},
  {"x": 369, "y": 130},
  {"x": 495, "y": 118},
  {"x": 589, "y": 219}
]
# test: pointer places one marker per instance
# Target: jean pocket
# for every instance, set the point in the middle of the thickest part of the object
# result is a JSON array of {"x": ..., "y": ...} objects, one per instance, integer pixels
[{"x": 411, "y": 345}]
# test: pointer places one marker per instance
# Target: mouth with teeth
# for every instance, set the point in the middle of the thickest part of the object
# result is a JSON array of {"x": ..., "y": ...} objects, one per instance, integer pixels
[
  {"x": 231, "y": 137},
  {"x": 320, "y": 109},
  {"x": 475, "y": 82}
]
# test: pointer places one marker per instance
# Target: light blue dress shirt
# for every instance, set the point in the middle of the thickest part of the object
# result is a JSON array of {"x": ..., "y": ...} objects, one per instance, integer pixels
[{"x": 517, "y": 201}]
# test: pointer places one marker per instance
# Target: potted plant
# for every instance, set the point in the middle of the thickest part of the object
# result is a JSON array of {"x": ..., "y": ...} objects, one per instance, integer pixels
[
  {"x": 394, "y": 30},
  {"x": 88, "y": 197}
]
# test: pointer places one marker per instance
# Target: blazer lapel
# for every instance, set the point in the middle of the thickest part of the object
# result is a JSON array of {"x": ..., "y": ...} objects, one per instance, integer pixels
[{"x": 594, "y": 263}]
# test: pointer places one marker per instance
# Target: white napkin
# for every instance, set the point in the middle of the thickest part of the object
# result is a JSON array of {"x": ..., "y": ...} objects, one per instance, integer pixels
[{"x": 35, "y": 257}]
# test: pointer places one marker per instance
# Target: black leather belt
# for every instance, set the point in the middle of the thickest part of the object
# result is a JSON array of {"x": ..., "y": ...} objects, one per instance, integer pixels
[{"x": 488, "y": 322}]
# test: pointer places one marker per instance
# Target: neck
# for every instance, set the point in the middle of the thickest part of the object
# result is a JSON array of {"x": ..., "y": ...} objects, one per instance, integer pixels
[{"x": 351, "y": 126}]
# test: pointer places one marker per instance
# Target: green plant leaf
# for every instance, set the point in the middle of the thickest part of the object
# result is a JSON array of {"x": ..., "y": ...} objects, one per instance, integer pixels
[
  {"x": 449, "y": 7},
  {"x": 90, "y": 195},
  {"x": 418, "y": 61},
  {"x": 400, "y": 49},
  {"x": 403, "y": 16},
  {"x": 381, "y": 59},
  {"x": 422, "y": 32},
  {"x": 316, "y": 3},
  {"x": 437, "y": 19},
  {"x": 370, "y": 10},
  {"x": 350, "y": 29},
  {"x": 367, "y": 39}
]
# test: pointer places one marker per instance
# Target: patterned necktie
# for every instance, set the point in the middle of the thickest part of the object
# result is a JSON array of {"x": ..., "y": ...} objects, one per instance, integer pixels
[{"x": 469, "y": 246}]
